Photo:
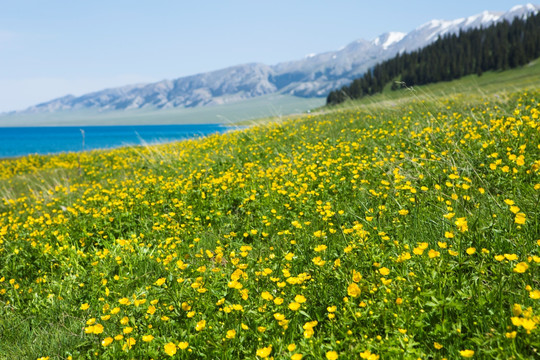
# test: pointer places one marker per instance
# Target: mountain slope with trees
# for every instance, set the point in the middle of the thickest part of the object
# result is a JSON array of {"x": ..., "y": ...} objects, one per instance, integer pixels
[{"x": 501, "y": 46}]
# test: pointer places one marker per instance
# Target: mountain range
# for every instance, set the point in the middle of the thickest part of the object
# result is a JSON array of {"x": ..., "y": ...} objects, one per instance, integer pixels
[{"x": 313, "y": 76}]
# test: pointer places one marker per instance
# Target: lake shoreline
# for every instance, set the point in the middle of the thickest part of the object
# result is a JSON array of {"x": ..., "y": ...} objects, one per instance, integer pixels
[{"x": 17, "y": 142}]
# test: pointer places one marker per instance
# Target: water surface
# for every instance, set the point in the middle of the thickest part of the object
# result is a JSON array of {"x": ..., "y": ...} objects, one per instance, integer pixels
[{"x": 20, "y": 141}]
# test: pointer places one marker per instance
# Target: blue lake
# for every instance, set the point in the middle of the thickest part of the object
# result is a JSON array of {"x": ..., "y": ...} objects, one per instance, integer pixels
[{"x": 20, "y": 141}]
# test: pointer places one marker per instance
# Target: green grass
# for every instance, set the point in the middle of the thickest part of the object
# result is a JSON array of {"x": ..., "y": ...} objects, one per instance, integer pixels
[
  {"x": 399, "y": 228},
  {"x": 489, "y": 84}
]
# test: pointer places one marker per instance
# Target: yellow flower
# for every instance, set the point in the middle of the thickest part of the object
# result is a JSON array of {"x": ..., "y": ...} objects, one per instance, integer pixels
[
  {"x": 528, "y": 324},
  {"x": 331, "y": 355},
  {"x": 521, "y": 267},
  {"x": 520, "y": 218},
  {"x": 266, "y": 295},
  {"x": 356, "y": 277},
  {"x": 291, "y": 347},
  {"x": 511, "y": 335},
  {"x": 160, "y": 281},
  {"x": 264, "y": 352},
  {"x": 297, "y": 356},
  {"x": 516, "y": 321},
  {"x": 183, "y": 345},
  {"x": 116, "y": 310},
  {"x": 403, "y": 257},
  {"x": 433, "y": 254},
  {"x": 368, "y": 355},
  {"x": 403, "y": 212},
  {"x": 437, "y": 346},
  {"x": 471, "y": 250},
  {"x": 147, "y": 338},
  {"x": 300, "y": 299},
  {"x": 107, "y": 341},
  {"x": 294, "y": 306},
  {"x": 85, "y": 306},
  {"x": 170, "y": 349},
  {"x": 124, "y": 301},
  {"x": 353, "y": 290},
  {"x": 461, "y": 224},
  {"x": 320, "y": 248},
  {"x": 98, "y": 329},
  {"x": 128, "y": 330},
  {"x": 535, "y": 294},
  {"x": 310, "y": 324},
  {"x": 384, "y": 271},
  {"x": 449, "y": 216},
  {"x": 151, "y": 310},
  {"x": 230, "y": 334},
  {"x": 200, "y": 325},
  {"x": 466, "y": 353},
  {"x": 130, "y": 342}
]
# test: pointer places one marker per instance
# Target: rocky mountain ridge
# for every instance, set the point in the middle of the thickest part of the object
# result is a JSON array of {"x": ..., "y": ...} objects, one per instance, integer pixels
[{"x": 313, "y": 76}]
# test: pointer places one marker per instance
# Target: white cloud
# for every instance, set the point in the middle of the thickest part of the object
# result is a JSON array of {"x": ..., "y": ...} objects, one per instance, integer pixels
[{"x": 18, "y": 94}]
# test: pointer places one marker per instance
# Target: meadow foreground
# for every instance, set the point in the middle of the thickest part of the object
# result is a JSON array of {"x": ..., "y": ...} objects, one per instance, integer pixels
[{"x": 377, "y": 233}]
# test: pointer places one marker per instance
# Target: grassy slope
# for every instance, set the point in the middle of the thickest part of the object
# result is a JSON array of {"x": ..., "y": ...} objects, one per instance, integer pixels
[
  {"x": 271, "y": 105},
  {"x": 374, "y": 183},
  {"x": 498, "y": 83}
]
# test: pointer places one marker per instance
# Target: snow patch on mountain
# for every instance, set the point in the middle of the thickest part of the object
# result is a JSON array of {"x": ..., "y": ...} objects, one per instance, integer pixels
[{"x": 388, "y": 39}]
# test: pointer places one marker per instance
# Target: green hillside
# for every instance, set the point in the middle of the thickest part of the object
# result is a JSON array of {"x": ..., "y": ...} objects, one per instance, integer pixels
[
  {"x": 501, "y": 46},
  {"x": 401, "y": 226},
  {"x": 493, "y": 83}
]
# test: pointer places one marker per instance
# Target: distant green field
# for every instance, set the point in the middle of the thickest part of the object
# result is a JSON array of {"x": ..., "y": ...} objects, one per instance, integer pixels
[{"x": 261, "y": 107}]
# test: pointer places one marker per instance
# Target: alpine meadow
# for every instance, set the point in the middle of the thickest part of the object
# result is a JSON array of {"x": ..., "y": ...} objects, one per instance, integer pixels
[
  {"x": 399, "y": 221},
  {"x": 404, "y": 228}
]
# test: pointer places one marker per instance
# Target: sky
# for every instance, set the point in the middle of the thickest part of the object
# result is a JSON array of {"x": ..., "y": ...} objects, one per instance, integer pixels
[{"x": 53, "y": 48}]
